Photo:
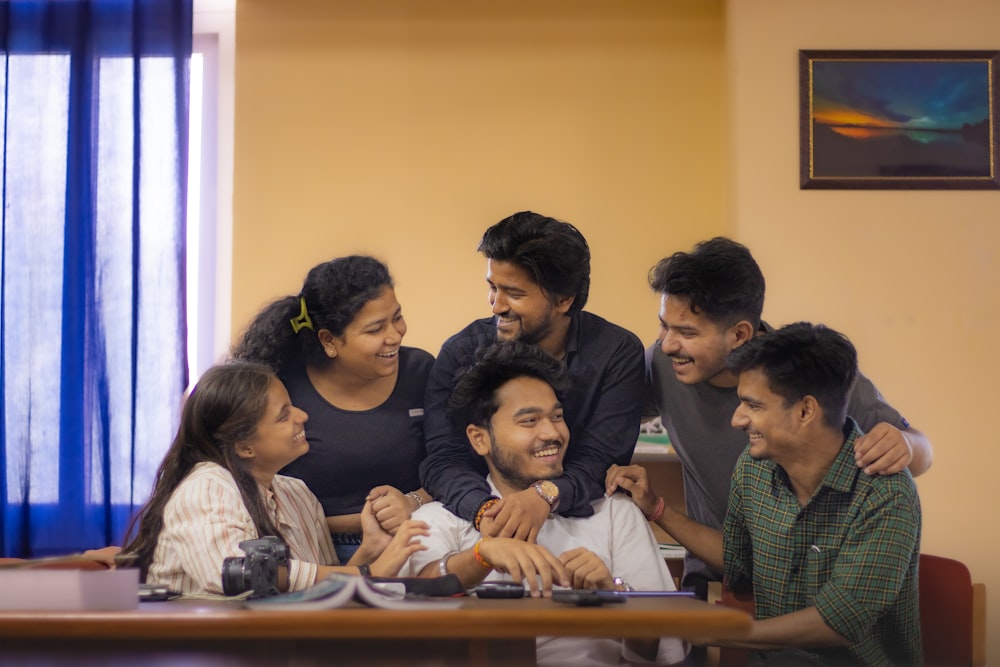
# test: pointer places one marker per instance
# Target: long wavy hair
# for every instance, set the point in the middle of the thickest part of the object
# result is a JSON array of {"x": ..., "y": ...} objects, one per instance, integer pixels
[
  {"x": 222, "y": 411},
  {"x": 334, "y": 292}
]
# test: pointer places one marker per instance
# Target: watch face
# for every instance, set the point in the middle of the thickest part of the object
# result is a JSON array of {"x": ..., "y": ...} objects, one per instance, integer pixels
[{"x": 549, "y": 489}]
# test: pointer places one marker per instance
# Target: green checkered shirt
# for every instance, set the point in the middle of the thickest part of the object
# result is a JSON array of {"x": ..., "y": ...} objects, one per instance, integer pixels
[{"x": 851, "y": 552}]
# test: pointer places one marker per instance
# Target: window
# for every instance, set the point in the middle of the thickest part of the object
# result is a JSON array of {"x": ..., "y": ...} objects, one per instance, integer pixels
[
  {"x": 210, "y": 185},
  {"x": 92, "y": 308}
]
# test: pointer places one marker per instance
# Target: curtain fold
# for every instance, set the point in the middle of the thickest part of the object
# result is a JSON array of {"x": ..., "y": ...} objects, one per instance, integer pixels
[{"x": 92, "y": 328}]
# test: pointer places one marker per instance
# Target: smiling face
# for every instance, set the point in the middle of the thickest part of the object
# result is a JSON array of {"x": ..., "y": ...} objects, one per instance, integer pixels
[
  {"x": 527, "y": 437},
  {"x": 771, "y": 425},
  {"x": 369, "y": 346},
  {"x": 522, "y": 310},
  {"x": 696, "y": 345},
  {"x": 280, "y": 436}
]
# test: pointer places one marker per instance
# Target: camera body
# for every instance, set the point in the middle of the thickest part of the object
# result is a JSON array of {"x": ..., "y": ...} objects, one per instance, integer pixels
[{"x": 258, "y": 570}]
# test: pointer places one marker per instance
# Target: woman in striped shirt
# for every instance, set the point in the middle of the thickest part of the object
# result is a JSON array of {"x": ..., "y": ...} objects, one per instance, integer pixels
[{"x": 218, "y": 486}]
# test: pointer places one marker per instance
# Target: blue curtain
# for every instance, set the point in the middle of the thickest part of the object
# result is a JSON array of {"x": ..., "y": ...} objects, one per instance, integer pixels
[{"x": 93, "y": 135}]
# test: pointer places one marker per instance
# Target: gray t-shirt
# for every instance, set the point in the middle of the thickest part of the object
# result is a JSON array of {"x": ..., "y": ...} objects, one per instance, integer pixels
[{"x": 698, "y": 419}]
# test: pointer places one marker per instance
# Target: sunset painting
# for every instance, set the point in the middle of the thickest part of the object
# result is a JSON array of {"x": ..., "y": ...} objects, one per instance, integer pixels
[{"x": 899, "y": 119}]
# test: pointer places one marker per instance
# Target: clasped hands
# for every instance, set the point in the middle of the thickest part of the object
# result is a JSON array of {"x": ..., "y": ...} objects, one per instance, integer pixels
[{"x": 390, "y": 506}]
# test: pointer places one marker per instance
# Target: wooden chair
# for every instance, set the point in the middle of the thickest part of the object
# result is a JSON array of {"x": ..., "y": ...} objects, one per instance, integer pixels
[
  {"x": 952, "y": 616},
  {"x": 719, "y": 594}
]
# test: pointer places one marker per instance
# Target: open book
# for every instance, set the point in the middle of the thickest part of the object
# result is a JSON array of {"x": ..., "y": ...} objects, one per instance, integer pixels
[{"x": 338, "y": 589}]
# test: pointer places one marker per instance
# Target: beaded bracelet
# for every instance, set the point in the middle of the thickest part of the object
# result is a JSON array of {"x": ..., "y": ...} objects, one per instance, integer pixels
[
  {"x": 479, "y": 557},
  {"x": 488, "y": 503},
  {"x": 657, "y": 511}
]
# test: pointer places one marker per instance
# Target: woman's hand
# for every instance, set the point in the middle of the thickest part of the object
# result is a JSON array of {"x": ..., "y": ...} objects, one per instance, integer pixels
[
  {"x": 405, "y": 543},
  {"x": 390, "y": 506},
  {"x": 374, "y": 538},
  {"x": 105, "y": 555}
]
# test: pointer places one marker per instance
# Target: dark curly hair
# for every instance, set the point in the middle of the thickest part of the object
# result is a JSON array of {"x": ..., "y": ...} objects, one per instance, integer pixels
[
  {"x": 473, "y": 397},
  {"x": 334, "y": 293},
  {"x": 552, "y": 251},
  {"x": 719, "y": 277}
]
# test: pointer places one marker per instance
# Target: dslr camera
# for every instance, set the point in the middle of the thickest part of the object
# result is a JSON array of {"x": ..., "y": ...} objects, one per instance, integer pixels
[{"x": 258, "y": 570}]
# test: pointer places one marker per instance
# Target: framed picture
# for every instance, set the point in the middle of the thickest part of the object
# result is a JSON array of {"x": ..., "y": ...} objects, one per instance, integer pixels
[{"x": 898, "y": 119}]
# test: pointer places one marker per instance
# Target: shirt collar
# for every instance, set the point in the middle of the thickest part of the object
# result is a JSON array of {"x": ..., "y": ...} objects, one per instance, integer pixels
[{"x": 843, "y": 471}]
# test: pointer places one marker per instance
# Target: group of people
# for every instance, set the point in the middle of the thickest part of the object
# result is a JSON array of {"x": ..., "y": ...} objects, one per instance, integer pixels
[{"x": 369, "y": 457}]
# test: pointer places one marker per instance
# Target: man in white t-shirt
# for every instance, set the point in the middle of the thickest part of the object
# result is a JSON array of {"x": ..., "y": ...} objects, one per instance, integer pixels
[{"x": 508, "y": 398}]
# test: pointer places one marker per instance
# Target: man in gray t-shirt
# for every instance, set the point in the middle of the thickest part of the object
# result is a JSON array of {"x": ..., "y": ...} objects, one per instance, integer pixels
[{"x": 711, "y": 301}]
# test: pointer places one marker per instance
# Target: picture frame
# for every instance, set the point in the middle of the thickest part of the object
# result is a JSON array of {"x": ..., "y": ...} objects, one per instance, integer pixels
[{"x": 895, "y": 120}]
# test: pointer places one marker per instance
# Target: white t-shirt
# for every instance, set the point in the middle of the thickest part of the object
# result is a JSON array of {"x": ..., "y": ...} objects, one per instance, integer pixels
[{"x": 617, "y": 532}]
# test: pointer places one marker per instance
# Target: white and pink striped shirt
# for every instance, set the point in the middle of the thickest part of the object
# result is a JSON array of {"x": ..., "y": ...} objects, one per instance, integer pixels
[{"x": 205, "y": 520}]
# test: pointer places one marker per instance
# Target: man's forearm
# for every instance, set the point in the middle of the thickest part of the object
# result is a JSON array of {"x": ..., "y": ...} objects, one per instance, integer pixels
[
  {"x": 464, "y": 564},
  {"x": 701, "y": 540},
  {"x": 801, "y": 629},
  {"x": 923, "y": 454},
  {"x": 580, "y": 484},
  {"x": 449, "y": 473},
  {"x": 460, "y": 487}
]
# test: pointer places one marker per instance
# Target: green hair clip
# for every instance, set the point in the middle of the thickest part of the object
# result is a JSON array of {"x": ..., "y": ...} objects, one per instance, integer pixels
[{"x": 303, "y": 321}]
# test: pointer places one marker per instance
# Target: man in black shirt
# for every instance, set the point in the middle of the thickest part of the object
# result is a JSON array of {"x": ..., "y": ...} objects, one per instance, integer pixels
[{"x": 538, "y": 270}]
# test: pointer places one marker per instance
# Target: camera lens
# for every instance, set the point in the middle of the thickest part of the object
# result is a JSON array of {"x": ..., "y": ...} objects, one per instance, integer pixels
[{"x": 234, "y": 580}]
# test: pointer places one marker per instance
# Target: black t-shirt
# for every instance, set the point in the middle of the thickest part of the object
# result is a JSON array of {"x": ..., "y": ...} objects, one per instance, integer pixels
[
  {"x": 602, "y": 410},
  {"x": 352, "y": 451}
]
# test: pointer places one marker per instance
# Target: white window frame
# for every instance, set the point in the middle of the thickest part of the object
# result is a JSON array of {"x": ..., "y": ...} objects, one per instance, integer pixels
[{"x": 211, "y": 262}]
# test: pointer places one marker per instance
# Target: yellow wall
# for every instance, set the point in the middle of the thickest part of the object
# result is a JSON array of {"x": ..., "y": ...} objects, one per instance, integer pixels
[
  {"x": 911, "y": 277},
  {"x": 404, "y": 129}
]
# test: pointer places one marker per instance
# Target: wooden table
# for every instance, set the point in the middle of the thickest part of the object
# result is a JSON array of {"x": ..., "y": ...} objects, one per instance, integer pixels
[{"x": 219, "y": 634}]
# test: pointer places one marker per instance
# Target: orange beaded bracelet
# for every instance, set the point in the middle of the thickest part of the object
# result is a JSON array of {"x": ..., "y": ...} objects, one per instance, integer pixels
[
  {"x": 488, "y": 503},
  {"x": 479, "y": 557}
]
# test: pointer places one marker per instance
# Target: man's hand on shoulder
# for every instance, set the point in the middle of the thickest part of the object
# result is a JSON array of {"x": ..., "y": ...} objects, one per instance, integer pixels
[
  {"x": 634, "y": 480},
  {"x": 518, "y": 515},
  {"x": 884, "y": 450}
]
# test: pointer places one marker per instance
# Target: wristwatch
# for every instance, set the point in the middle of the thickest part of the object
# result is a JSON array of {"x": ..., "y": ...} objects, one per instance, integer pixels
[{"x": 549, "y": 492}]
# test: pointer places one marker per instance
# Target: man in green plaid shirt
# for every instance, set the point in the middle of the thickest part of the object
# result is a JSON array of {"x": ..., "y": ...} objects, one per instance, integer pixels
[{"x": 830, "y": 552}]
